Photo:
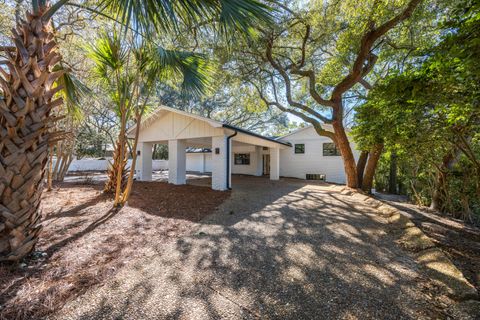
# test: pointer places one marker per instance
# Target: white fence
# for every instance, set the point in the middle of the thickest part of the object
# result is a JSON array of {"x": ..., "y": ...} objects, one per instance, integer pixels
[{"x": 101, "y": 165}]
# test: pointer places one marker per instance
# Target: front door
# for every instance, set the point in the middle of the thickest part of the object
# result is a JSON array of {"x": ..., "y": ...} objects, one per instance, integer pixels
[{"x": 266, "y": 164}]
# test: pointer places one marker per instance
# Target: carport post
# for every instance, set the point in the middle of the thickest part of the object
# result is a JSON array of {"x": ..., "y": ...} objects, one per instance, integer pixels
[
  {"x": 143, "y": 168},
  {"x": 177, "y": 162},
  {"x": 258, "y": 161},
  {"x": 274, "y": 163},
  {"x": 219, "y": 163}
]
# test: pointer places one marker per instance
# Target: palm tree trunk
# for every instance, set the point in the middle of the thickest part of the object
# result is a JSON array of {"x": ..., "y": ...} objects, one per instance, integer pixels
[
  {"x": 122, "y": 151},
  {"x": 118, "y": 160},
  {"x": 26, "y": 127},
  {"x": 59, "y": 160},
  {"x": 128, "y": 189},
  {"x": 50, "y": 171}
]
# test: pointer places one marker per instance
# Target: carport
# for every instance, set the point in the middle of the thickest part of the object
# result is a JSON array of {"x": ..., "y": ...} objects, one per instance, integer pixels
[{"x": 181, "y": 130}]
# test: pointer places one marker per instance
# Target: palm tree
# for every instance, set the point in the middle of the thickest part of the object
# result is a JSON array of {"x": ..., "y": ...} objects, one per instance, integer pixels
[
  {"x": 28, "y": 94},
  {"x": 129, "y": 73}
]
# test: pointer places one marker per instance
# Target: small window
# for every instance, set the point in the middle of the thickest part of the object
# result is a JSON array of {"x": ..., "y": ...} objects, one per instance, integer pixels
[
  {"x": 299, "y": 148},
  {"x": 242, "y": 158},
  {"x": 330, "y": 149}
]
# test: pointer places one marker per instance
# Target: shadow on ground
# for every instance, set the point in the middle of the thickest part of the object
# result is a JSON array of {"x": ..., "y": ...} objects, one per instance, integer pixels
[
  {"x": 278, "y": 250},
  {"x": 84, "y": 241},
  {"x": 459, "y": 240}
]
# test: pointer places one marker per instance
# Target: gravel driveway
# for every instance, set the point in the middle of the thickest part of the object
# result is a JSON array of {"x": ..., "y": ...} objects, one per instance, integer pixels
[{"x": 274, "y": 250}]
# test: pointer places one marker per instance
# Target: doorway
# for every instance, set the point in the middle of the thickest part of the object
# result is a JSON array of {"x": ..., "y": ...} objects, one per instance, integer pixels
[{"x": 266, "y": 164}]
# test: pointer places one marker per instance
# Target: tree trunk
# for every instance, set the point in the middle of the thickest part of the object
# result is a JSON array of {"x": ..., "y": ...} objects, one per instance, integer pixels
[
  {"x": 128, "y": 189},
  {"x": 371, "y": 167},
  {"x": 26, "y": 132},
  {"x": 439, "y": 194},
  {"x": 392, "y": 177},
  {"x": 59, "y": 160},
  {"x": 118, "y": 161},
  {"x": 123, "y": 154},
  {"x": 50, "y": 171},
  {"x": 343, "y": 145},
  {"x": 362, "y": 161}
]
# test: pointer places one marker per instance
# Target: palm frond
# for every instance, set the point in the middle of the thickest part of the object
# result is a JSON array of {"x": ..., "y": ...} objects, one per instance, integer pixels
[
  {"x": 169, "y": 15},
  {"x": 191, "y": 69},
  {"x": 73, "y": 91},
  {"x": 108, "y": 54}
]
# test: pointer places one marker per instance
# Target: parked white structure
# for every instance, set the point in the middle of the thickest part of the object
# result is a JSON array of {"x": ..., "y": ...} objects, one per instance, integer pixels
[{"x": 232, "y": 150}]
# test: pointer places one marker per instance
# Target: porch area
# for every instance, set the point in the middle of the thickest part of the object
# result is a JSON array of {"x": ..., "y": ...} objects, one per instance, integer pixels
[{"x": 232, "y": 150}]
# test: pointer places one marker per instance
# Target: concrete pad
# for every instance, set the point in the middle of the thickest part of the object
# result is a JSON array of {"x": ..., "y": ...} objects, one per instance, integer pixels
[{"x": 443, "y": 272}]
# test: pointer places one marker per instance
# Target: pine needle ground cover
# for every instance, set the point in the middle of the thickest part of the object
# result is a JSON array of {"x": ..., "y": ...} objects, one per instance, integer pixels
[{"x": 84, "y": 241}]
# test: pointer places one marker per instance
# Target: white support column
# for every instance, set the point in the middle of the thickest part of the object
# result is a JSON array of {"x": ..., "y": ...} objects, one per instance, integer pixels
[
  {"x": 177, "y": 162},
  {"x": 202, "y": 165},
  {"x": 258, "y": 158},
  {"x": 274, "y": 163},
  {"x": 219, "y": 163},
  {"x": 143, "y": 167}
]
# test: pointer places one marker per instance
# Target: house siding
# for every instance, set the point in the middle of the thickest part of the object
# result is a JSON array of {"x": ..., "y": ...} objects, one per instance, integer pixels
[
  {"x": 249, "y": 169},
  {"x": 291, "y": 164},
  {"x": 312, "y": 161}
]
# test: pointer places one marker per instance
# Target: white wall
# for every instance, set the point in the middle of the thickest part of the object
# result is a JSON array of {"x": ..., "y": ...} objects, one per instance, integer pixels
[
  {"x": 312, "y": 161},
  {"x": 208, "y": 162},
  {"x": 195, "y": 162},
  {"x": 291, "y": 164},
  {"x": 242, "y": 168},
  {"x": 102, "y": 165}
]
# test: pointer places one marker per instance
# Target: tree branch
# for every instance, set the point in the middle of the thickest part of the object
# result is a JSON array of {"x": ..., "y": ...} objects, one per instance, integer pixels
[
  {"x": 288, "y": 85},
  {"x": 315, "y": 123},
  {"x": 366, "y": 43}
]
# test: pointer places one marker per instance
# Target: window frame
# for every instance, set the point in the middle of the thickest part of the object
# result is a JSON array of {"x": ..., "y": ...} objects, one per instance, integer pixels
[
  {"x": 295, "y": 148},
  {"x": 336, "y": 152},
  {"x": 241, "y": 159}
]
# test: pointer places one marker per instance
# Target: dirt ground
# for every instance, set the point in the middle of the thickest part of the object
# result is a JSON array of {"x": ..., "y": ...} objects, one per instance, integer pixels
[
  {"x": 85, "y": 246},
  {"x": 459, "y": 240},
  {"x": 287, "y": 249},
  {"x": 84, "y": 241}
]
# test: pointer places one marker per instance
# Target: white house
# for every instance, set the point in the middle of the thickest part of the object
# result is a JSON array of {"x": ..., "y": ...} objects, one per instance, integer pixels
[{"x": 226, "y": 150}]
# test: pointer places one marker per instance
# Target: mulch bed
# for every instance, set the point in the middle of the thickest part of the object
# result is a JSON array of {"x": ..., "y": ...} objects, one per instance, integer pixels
[{"x": 85, "y": 241}]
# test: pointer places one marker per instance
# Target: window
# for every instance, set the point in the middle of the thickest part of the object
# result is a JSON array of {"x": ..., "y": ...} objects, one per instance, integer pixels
[
  {"x": 242, "y": 158},
  {"x": 329, "y": 149},
  {"x": 299, "y": 148}
]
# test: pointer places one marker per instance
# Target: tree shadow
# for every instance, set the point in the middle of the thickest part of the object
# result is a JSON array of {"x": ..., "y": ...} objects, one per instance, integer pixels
[
  {"x": 459, "y": 240},
  {"x": 91, "y": 227},
  {"x": 275, "y": 250},
  {"x": 77, "y": 210}
]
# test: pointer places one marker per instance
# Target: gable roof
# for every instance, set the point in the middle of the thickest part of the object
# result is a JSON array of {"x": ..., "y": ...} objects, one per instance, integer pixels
[
  {"x": 216, "y": 124},
  {"x": 161, "y": 109}
]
